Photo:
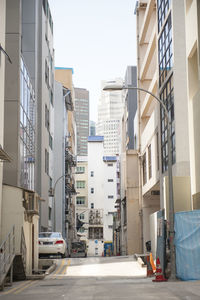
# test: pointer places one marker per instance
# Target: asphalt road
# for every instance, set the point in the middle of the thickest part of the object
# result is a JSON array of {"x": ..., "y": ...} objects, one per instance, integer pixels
[{"x": 100, "y": 279}]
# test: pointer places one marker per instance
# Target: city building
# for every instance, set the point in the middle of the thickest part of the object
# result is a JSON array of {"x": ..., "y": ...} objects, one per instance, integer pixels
[
  {"x": 62, "y": 184},
  {"x": 27, "y": 128},
  {"x": 82, "y": 196},
  {"x": 130, "y": 226},
  {"x": 3, "y": 154},
  {"x": 110, "y": 110},
  {"x": 82, "y": 119},
  {"x": 102, "y": 194},
  {"x": 92, "y": 128},
  {"x": 192, "y": 21},
  {"x": 162, "y": 71},
  {"x": 64, "y": 76}
]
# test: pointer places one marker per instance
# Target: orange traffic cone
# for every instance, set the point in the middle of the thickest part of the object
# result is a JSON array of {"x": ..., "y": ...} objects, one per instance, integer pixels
[{"x": 159, "y": 273}]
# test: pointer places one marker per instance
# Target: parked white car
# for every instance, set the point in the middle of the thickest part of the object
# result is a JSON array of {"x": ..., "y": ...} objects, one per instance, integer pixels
[{"x": 51, "y": 243}]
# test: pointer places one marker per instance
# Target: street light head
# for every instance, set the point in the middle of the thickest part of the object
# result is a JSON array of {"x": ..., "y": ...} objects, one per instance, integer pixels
[{"x": 113, "y": 87}]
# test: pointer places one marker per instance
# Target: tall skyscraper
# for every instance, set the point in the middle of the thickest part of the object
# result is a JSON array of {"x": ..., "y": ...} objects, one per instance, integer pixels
[
  {"x": 110, "y": 111},
  {"x": 82, "y": 119},
  {"x": 92, "y": 128}
]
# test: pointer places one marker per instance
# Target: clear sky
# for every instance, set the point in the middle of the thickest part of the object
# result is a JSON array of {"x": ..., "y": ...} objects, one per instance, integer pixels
[{"x": 96, "y": 38}]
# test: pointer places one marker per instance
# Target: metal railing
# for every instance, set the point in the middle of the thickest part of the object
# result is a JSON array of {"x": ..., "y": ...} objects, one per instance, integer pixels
[
  {"x": 7, "y": 254},
  {"x": 23, "y": 249}
]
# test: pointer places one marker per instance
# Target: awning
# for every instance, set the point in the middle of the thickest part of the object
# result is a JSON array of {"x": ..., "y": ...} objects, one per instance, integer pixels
[{"x": 3, "y": 155}]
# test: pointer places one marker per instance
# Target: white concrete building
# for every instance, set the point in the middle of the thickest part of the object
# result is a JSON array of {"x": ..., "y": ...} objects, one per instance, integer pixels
[
  {"x": 102, "y": 194},
  {"x": 110, "y": 111},
  {"x": 81, "y": 204}
]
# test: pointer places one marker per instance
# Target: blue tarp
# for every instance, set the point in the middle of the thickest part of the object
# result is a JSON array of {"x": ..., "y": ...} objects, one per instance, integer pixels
[{"x": 187, "y": 243}]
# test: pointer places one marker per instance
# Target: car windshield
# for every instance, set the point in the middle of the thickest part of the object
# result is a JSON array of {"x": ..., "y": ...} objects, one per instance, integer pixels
[{"x": 50, "y": 235}]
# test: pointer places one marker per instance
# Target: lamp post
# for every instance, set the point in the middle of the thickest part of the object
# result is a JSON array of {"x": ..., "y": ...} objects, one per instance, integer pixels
[
  {"x": 117, "y": 87},
  {"x": 52, "y": 194}
]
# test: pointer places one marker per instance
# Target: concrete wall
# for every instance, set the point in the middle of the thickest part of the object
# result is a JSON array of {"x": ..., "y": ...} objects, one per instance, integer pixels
[
  {"x": 2, "y": 78},
  {"x": 12, "y": 91},
  {"x": 60, "y": 128},
  {"x": 182, "y": 165},
  {"x": 192, "y": 17},
  {"x": 14, "y": 214},
  {"x": 132, "y": 196},
  {"x": 95, "y": 248}
]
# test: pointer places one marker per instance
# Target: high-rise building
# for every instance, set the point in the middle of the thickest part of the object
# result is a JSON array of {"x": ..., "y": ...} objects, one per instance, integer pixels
[
  {"x": 131, "y": 105},
  {"x": 82, "y": 119},
  {"x": 92, "y": 128},
  {"x": 110, "y": 111}
]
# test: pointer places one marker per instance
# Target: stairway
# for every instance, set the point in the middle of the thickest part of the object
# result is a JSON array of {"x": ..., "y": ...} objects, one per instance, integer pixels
[{"x": 7, "y": 254}]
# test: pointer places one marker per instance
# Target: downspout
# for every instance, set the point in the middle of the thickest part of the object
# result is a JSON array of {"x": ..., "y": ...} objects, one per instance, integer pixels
[{"x": 139, "y": 134}]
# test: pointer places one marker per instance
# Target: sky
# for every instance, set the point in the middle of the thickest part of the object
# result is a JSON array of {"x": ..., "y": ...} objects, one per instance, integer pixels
[{"x": 97, "y": 38}]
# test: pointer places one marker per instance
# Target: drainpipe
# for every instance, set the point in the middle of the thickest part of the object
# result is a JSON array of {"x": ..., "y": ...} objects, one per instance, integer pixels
[{"x": 139, "y": 134}]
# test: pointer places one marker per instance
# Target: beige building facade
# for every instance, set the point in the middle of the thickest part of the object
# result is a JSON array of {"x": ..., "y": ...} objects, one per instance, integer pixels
[
  {"x": 21, "y": 208},
  {"x": 192, "y": 21},
  {"x": 162, "y": 71},
  {"x": 65, "y": 77}
]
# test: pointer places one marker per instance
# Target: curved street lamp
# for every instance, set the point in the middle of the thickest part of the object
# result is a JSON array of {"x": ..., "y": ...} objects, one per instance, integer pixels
[
  {"x": 117, "y": 87},
  {"x": 52, "y": 194}
]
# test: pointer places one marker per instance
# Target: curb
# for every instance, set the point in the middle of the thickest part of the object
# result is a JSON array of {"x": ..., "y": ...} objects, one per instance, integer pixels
[
  {"x": 50, "y": 269},
  {"x": 139, "y": 260}
]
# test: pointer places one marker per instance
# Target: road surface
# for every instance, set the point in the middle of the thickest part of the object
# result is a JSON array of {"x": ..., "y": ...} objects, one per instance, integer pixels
[{"x": 119, "y": 278}]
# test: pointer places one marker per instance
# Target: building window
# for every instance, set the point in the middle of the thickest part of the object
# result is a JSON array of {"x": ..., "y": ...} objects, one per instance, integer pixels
[
  {"x": 50, "y": 213},
  {"x": 167, "y": 96},
  {"x": 110, "y": 180},
  {"x": 51, "y": 97},
  {"x": 50, "y": 182},
  {"x": 92, "y": 173},
  {"x": 96, "y": 233},
  {"x": 50, "y": 141},
  {"x": 80, "y": 200},
  {"x": 92, "y": 190},
  {"x": 163, "y": 8},
  {"x": 165, "y": 51},
  {"x": 110, "y": 165},
  {"x": 46, "y": 73},
  {"x": 144, "y": 165},
  {"x": 46, "y": 117},
  {"x": 80, "y": 170},
  {"x": 27, "y": 129},
  {"x": 157, "y": 146},
  {"x": 80, "y": 184},
  {"x": 149, "y": 161},
  {"x": 46, "y": 162},
  {"x": 110, "y": 196},
  {"x": 92, "y": 205},
  {"x": 110, "y": 226},
  {"x": 81, "y": 217}
]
